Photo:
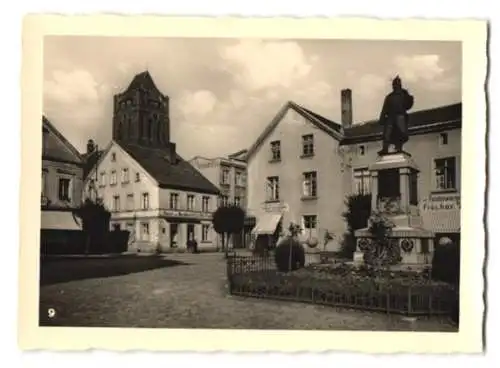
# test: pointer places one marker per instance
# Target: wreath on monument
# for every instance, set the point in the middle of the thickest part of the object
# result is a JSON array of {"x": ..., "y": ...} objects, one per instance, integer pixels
[{"x": 407, "y": 245}]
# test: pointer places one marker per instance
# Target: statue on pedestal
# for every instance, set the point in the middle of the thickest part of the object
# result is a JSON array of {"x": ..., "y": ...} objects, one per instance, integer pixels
[{"x": 394, "y": 117}]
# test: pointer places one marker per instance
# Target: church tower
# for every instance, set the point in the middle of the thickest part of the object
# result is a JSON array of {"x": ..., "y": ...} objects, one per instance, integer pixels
[{"x": 141, "y": 114}]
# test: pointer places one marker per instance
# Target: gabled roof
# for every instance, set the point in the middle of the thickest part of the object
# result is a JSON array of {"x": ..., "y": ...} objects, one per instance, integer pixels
[
  {"x": 240, "y": 155},
  {"x": 176, "y": 175},
  {"x": 326, "y": 125},
  {"x": 435, "y": 118},
  {"x": 61, "y": 149}
]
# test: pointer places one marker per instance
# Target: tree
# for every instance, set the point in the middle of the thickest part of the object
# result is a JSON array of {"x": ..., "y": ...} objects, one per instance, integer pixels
[
  {"x": 95, "y": 222},
  {"x": 227, "y": 220},
  {"x": 358, "y": 211}
]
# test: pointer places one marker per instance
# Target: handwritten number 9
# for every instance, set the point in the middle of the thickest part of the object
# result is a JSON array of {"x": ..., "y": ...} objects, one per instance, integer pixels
[{"x": 51, "y": 312}]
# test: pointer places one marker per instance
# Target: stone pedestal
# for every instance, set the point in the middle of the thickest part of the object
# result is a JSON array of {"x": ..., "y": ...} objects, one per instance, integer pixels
[
  {"x": 313, "y": 256},
  {"x": 395, "y": 195}
]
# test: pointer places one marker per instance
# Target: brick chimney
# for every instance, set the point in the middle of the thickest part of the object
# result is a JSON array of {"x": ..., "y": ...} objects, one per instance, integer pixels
[{"x": 346, "y": 106}]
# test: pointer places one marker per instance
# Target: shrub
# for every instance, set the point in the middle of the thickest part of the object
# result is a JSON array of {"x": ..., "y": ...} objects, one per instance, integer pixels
[
  {"x": 289, "y": 255},
  {"x": 358, "y": 211},
  {"x": 446, "y": 263},
  {"x": 446, "y": 268}
]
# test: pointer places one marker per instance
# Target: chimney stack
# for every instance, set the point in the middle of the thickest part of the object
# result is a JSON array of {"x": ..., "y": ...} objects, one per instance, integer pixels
[{"x": 346, "y": 106}]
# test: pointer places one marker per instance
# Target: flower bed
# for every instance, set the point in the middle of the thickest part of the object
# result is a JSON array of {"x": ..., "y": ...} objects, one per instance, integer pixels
[{"x": 409, "y": 293}]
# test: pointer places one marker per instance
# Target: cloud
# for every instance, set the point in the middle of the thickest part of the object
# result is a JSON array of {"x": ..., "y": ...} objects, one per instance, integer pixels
[
  {"x": 197, "y": 104},
  {"x": 419, "y": 67},
  {"x": 72, "y": 87},
  {"x": 257, "y": 64},
  {"x": 77, "y": 104}
]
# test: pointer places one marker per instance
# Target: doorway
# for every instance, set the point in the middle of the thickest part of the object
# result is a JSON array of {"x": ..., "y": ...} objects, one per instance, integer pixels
[
  {"x": 116, "y": 227},
  {"x": 190, "y": 231},
  {"x": 173, "y": 235}
]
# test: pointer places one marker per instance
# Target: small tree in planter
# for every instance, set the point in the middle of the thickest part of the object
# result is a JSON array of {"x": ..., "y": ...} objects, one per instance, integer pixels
[
  {"x": 289, "y": 254},
  {"x": 228, "y": 220},
  {"x": 381, "y": 251},
  {"x": 95, "y": 222}
]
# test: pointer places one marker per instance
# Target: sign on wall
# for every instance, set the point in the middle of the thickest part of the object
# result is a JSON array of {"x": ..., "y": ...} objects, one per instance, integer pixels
[
  {"x": 439, "y": 203},
  {"x": 190, "y": 214}
]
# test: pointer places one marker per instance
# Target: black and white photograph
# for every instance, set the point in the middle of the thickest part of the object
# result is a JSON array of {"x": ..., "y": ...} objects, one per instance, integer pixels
[{"x": 251, "y": 183}]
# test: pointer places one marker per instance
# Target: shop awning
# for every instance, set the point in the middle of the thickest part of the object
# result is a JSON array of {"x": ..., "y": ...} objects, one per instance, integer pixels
[
  {"x": 267, "y": 224},
  {"x": 60, "y": 220},
  {"x": 442, "y": 221}
]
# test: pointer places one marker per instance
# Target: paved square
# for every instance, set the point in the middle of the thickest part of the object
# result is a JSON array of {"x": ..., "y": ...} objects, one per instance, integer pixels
[{"x": 184, "y": 291}]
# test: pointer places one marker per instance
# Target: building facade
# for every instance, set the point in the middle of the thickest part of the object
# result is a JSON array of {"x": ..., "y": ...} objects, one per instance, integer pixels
[
  {"x": 62, "y": 181},
  {"x": 303, "y": 166},
  {"x": 294, "y": 175},
  {"x": 230, "y": 176},
  {"x": 160, "y": 198}
]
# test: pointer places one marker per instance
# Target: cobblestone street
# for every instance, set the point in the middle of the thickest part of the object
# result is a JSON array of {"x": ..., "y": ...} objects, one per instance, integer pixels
[{"x": 184, "y": 291}]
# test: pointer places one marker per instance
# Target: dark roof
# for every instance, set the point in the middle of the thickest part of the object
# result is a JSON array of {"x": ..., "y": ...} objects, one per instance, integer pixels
[
  {"x": 142, "y": 80},
  {"x": 329, "y": 123},
  {"x": 58, "y": 148},
  {"x": 176, "y": 175},
  {"x": 443, "y": 114}
]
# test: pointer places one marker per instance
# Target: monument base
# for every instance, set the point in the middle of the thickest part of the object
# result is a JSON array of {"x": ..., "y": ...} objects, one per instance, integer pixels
[{"x": 415, "y": 244}]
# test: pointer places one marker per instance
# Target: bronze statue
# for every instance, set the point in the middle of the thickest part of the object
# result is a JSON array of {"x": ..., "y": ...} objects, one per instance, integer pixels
[{"x": 394, "y": 117}]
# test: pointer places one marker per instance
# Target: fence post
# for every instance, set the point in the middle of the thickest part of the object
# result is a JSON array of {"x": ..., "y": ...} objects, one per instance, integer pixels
[{"x": 229, "y": 264}]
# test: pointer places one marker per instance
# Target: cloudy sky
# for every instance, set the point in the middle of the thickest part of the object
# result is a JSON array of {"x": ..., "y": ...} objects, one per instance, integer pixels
[{"x": 223, "y": 92}]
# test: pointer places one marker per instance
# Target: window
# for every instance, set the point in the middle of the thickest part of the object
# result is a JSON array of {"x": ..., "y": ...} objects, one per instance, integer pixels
[
  {"x": 310, "y": 184},
  {"x": 113, "y": 157},
  {"x": 361, "y": 150},
  {"x": 145, "y": 201},
  {"x": 362, "y": 181},
  {"x": 445, "y": 171},
  {"x": 190, "y": 202},
  {"x": 238, "y": 179},
  {"x": 205, "y": 230},
  {"x": 224, "y": 200},
  {"x": 308, "y": 145},
  {"x": 174, "y": 201},
  {"x": 64, "y": 189},
  {"x": 276, "y": 151},
  {"x": 205, "y": 204},
  {"x": 443, "y": 139},
  {"x": 113, "y": 178},
  {"x": 116, "y": 203},
  {"x": 145, "y": 231},
  {"x": 137, "y": 177},
  {"x": 125, "y": 178},
  {"x": 224, "y": 176},
  {"x": 102, "y": 179},
  {"x": 237, "y": 201},
  {"x": 130, "y": 202},
  {"x": 272, "y": 188},
  {"x": 310, "y": 222}
]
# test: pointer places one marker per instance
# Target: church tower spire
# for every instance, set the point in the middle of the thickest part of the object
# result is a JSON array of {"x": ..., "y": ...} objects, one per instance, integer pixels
[{"x": 141, "y": 114}]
